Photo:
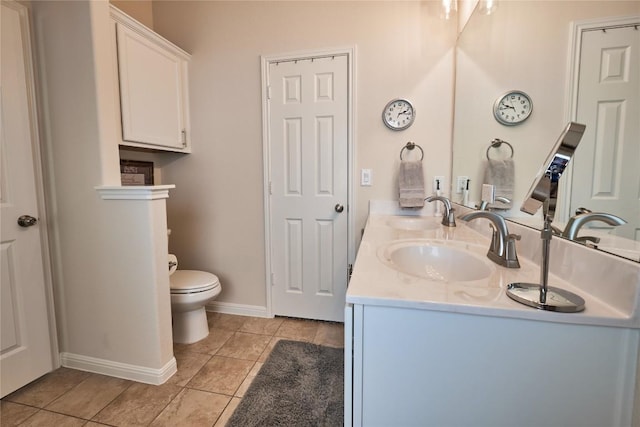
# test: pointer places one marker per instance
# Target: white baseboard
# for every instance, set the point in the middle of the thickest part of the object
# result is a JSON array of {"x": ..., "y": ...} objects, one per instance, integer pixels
[
  {"x": 239, "y": 309},
  {"x": 120, "y": 370}
]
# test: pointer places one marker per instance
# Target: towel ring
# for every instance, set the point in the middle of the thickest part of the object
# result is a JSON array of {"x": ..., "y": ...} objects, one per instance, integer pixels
[
  {"x": 497, "y": 143},
  {"x": 410, "y": 146}
]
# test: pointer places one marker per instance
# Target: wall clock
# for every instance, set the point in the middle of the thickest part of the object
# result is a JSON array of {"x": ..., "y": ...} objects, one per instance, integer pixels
[
  {"x": 398, "y": 114},
  {"x": 512, "y": 108}
]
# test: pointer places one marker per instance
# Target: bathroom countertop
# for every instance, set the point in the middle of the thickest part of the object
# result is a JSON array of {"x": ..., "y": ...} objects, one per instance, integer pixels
[{"x": 373, "y": 282}]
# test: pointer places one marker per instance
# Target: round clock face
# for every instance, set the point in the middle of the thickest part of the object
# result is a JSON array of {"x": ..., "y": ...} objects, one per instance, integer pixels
[
  {"x": 398, "y": 114},
  {"x": 512, "y": 108}
]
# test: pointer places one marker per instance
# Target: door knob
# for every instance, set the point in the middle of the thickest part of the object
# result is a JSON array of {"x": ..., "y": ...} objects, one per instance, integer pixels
[
  {"x": 27, "y": 221},
  {"x": 339, "y": 208}
]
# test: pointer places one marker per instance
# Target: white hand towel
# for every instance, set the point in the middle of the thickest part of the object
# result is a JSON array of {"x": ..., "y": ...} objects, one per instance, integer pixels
[
  {"x": 411, "y": 184},
  {"x": 500, "y": 174}
]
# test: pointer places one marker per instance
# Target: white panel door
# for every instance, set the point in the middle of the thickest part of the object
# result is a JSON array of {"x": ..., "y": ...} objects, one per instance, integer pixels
[
  {"x": 308, "y": 135},
  {"x": 25, "y": 352},
  {"x": 606, "y": 169}
]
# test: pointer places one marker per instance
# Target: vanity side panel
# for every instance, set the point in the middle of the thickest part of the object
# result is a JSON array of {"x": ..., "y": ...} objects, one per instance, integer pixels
[
  {"x": 357, "y": 392},
  {"x": 348, "y": 365},
  {"x": 435, "y": 368}
]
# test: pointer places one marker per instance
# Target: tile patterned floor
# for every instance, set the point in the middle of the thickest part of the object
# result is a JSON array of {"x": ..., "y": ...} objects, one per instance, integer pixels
[{"x": 212, "y": 377}]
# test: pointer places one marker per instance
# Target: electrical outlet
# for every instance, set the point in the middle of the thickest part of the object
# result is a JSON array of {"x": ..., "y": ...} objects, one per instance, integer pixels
[
  {"x": 435, "y": 183},
  {"x": 462, "y": 184}
]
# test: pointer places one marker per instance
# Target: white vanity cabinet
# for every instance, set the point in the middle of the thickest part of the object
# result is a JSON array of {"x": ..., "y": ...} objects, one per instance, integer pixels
[
  {"x": 153, "y": 87},
  {"x": 415, "y": 367},
  {"x": 426, "y": 351}
]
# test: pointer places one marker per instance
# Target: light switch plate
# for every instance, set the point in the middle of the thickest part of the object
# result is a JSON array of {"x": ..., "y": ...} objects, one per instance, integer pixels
[
  {"x": 366, "y": 178},
  {"x": 488, "y": 193}
]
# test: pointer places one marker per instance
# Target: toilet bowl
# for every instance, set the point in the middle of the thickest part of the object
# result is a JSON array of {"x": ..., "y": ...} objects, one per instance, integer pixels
[{"x": 191, "y": 290}]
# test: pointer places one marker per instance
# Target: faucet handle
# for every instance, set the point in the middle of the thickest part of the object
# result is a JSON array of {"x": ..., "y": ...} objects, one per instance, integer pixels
[
  {"x": 556, "y": 231},
  {"x": 582, "y": 210},
  {"x": 514, "y": 237},
  {"x": 585, "y": 239}
]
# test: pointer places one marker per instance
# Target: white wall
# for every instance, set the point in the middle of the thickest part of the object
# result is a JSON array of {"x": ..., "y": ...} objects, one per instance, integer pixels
[
  {"x": 110, "y": 282},
  {"x": 216, "y": 212}
]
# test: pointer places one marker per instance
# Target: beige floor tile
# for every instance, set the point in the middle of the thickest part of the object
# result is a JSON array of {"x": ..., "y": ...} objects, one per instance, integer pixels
[
  {"x": 90, "y": 396},
  {"x": 216, "y": 372},
  {"x": 228, "y": 411},
  {"x": 298, "y": 329},
  {"x": 227, "y": 322},
  {"x": 244, "y": 346},
  {"x": 248, "y": 380},
  {"x": 267, "y": 350},
  {"x": 210, "y": 345},
  {"x": 221, "y": 375},
  {"x": 138, "y": 405},
  {"x": 12, "y": 414},
  {"x": 330, "y": 334},
  {"x": 48, "y": 388},
  {"x": 188, "y": 365},
  {"x": 263, "y": 326},
  {"x": 47, "y": 419},
  {"x": 192, "y": 408}
]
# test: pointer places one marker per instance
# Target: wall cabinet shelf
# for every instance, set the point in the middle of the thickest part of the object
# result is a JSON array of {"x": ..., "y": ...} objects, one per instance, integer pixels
[{"x": 152, "y": 87}]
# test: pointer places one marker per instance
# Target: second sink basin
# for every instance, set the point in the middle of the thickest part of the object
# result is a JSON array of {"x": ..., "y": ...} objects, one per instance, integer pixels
[{"x": 441, "y": 261}]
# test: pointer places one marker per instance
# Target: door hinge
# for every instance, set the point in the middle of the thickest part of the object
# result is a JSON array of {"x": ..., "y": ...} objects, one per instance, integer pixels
[
  {"x": 269, "y": 92},
  {"x": 270, "y": 189},
  {"x": 349, "y": 272},
  {"x": 273, "y": 279},
  {"x": 184, "y": 138}
]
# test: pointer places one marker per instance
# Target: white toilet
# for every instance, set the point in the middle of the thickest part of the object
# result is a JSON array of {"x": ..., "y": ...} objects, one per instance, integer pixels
[{"x": 190, "y": 291}]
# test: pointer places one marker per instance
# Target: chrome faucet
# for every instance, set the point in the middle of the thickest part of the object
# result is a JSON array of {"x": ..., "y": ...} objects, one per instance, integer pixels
[
  {"x": 577, "y": 221},
  {"x": 484, "y": 205},
  {"x": 448, "y": 218},
  {"x": 502, "y": 250}
]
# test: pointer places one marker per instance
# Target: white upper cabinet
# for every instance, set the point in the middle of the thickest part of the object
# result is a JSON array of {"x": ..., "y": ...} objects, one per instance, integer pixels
[{"x": 153, "y": 87}]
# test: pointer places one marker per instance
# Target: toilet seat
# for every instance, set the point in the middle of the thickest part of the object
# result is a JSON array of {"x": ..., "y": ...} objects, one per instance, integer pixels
[{"x": 192, "y": 281}]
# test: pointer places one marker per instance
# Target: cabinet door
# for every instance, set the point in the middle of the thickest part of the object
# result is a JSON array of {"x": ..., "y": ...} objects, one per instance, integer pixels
[{"x": 152, "y": 91}]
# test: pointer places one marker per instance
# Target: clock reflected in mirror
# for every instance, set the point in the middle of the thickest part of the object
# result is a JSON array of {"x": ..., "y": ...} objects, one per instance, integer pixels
[{"x": 512, "y": 108}]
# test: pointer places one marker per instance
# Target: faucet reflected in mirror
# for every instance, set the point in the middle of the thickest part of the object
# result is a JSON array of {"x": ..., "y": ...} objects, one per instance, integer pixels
[
  {"x": 484, "y": 205},
  {"x": 484, "y": 51},
  {"x": 577, "y": 221}
]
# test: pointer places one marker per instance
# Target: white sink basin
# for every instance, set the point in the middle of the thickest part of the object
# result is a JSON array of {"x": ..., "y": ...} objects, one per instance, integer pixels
[
  {"x": 441, "y": 261},
  {"x": 414, "y": 223}
]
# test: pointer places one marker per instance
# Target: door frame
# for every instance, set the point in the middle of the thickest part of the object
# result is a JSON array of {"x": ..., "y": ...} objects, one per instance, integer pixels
[
  {"x": 265, "y": 62},
  {"x": 40, "y": 157},
  {"x": 578, "y": 28}
]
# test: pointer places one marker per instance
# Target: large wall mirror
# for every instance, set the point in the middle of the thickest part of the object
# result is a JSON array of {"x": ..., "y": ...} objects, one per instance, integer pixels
[{"x": 540, "y": 48}]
